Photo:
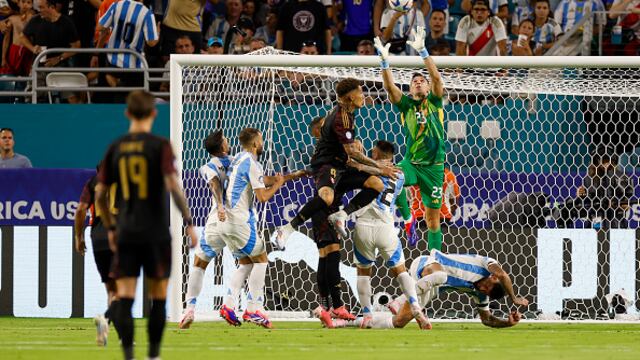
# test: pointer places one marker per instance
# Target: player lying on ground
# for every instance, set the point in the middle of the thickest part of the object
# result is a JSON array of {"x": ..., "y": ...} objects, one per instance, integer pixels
[
  {"x": 246, "y": 180},
  {"x": 480, "y": 277},
  {"x": 375, "y": 232},
  {"x": 142, "y": 166},
  {"x": 214, "y": 173},
  {"x": 422, "y": 115},
  {"x": 102, "y": 255}
]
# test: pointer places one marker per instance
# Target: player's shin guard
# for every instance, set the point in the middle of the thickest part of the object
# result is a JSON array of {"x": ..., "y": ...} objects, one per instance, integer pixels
[
  {"x": 237, "y": 281},
  {"x": 313, "y": 206},
  {"x": 435, "y": 239},
  {"x": 364, "y": 198},
  {"x": 256, "y": 287},
  {"x": 125, "y": 321},
  {"x": 408, "y": 287},
  {"x": 364, "y": 293},
  {"x": 194, "y": 286},
  {"x": 333, "y": 278},
  {"x": 323, "y": 287},
  {"x": 155, "y": 326}
]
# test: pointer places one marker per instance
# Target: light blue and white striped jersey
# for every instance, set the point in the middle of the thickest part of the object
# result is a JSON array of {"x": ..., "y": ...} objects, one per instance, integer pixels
[
  {"x": 132, "y": 24},
  {"x": 495, "y": 5},
  {"x": 522, "y": 12},
  {"x": 570, "y": 12},
  {"x": 244, "y": 176},
  {"x": 547, "y": 33},
  {"x": 463, "y": 270},
  {"x": 217, "y": 167},
  {"x": 383, "y": 207}
]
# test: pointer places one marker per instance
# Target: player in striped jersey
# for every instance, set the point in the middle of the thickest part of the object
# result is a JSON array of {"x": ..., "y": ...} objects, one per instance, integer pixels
[
  {"x": 214, "y": 172},
  {"x": 375, "y": 231}
]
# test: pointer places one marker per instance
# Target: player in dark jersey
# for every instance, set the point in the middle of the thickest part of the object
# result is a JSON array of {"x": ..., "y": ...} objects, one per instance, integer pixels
[
  {"x": 141, "y": 164},
  {"x": 101, "y": 252},
  {"x": 333, "y": 178}
]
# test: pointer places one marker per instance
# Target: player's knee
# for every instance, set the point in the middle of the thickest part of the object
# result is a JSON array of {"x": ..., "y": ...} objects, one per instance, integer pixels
[
  {"x": 398, "y": 269},
  {"x": 198, "y": 262},
  {"x": 364, "y": 271},
  {"x": 158, "y": 289},
  {"x": 374, "y": 182}
]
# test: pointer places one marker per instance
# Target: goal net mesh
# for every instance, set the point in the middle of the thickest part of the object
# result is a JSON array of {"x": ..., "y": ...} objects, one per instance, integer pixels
[{"x": 521, "y": 144}]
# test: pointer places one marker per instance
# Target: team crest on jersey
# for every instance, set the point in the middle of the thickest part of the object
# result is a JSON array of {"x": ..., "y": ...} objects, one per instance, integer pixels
[{"x": 348, "y": 135}]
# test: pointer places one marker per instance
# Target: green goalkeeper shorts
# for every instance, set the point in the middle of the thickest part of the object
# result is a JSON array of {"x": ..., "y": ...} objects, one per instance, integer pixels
[{"x": 428, "y": 178}]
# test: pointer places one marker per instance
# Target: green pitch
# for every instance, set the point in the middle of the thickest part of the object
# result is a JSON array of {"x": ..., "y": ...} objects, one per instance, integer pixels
[{"x": 74, "y": 339}]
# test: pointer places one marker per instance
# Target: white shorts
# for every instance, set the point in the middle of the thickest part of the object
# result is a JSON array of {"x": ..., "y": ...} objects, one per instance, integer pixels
[
  {"x": 242, "y": 239},
  {"x": 371, "y": 236},
  {"x": 211, "y": 243}
]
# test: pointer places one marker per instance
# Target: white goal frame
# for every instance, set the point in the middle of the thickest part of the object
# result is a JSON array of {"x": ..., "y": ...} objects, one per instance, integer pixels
[{"x": 177, "y": 62}]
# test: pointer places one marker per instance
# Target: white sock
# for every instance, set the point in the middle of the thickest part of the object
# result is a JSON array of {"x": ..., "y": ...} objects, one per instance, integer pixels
[
  {"x": 408, "y": 287},
  {"x": 382, "y": 321},
  {"x": 194, "y": 286},
  {"x": 256, "y": 287},
  {"x": 364, "y": 292},
  {"x": 427, "y": 283},
  {"x": 236, "y": 284}
]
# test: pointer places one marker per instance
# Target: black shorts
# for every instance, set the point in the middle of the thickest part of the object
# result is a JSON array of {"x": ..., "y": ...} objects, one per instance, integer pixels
[
  {"x": 323, "y": 233},
  {"x": 341, "y": 180},
  {"x": 153, "y": 257},
  {"x": 104, "y": 259}
]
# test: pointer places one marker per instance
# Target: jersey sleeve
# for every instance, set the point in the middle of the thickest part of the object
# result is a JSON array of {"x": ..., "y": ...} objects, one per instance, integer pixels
[
  {"x": 256, "y": 175},
  {"x": 434, "y": 99},
  {"x": 85, "y": 196},
  {"x": 150, "y": 30},
  {"x": 167, "y": 159},
  {"x": 106, "y": 21},
  {"x": 209, "y": 172},
  {"x": 404, "y": 104},
  {"x": 462, "y": 34},
  {"x": 499, "y": 31},
  {"x": 343, "y": 128}
]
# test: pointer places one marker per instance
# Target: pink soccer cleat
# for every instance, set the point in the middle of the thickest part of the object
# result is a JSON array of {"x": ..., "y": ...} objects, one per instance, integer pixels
[
  {"x": 229, "y": 316},
  {"x": 186, "y": 320},
  {"x": 342, "y": 313},
  {"x": 324, "y": 316}
]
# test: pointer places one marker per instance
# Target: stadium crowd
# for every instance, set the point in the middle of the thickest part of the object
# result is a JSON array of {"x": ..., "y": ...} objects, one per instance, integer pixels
[{"x": 158, "y": 28}]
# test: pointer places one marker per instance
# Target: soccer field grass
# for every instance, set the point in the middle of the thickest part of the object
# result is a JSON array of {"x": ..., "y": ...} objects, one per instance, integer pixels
[{"x": 74, "y": 339}]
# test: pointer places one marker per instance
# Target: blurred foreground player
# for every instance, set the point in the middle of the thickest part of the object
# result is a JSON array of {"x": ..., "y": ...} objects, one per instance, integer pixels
[{"x": 142, "y": 166}]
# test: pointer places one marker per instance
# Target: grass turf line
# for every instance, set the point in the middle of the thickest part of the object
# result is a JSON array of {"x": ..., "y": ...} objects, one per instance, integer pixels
[{"x": 75, "y": 339}]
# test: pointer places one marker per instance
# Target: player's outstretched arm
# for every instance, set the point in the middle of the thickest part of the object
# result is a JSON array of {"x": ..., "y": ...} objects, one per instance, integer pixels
[
  {"x": 394, "y": 92},
  {"x": 216, "y": 189},
  {"x": 356, "y": 154},
  {"x": 437, "y": 87},
  {"x": 491, "y": 321},
  {"x": 505, "y": 280},
  {"x": 172, "y": 185},
  {"x": 274, "y": 184}
]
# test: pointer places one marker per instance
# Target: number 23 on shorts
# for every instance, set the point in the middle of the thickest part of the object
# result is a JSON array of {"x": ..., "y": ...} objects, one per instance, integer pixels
[{"x": 436, "y": 192}]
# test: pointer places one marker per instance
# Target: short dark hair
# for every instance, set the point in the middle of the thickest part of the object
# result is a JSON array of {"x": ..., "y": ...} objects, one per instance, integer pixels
[
  {"x": 416, "y": 74},
  {"x": 347, "y": 85},
  {"x": 546, "y": 1},
  {"x": 365, "y": 42},
  {"x": 316, "y": 121},
  {"x": 527, "y": 21},
  {"x": 497, "y": 292},
  {"x": 386, "y": 147},
  {"x": 440, "y": 44},
  {"x": 7, "y": 129},
  {"x": 140, "y": 104},
  {"x": 213, "y": 142},
  {"x": 247, "y": 135},
  {"x": 184, "y": 37},
  {"x": 438, "y": 11}
]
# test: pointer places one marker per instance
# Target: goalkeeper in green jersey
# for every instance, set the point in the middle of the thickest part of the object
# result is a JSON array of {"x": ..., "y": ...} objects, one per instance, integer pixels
[{"x": 422, "y": 117}]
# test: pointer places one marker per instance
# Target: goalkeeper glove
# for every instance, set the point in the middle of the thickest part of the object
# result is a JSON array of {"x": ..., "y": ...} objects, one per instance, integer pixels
[
  {"x": 418, "y": 42},
  {"x": 383, "y": 51}
]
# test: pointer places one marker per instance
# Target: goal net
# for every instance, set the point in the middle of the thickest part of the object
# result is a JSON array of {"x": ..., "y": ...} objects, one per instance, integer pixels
[{"x": 528, "y": 143}]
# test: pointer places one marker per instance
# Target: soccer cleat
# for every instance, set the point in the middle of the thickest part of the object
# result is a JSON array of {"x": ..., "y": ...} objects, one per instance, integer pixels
[
  {"x": 366, "y": 322},
  {"x": 421, "y": 318},
  {"x": 257, "y": 318},
  {"x": 280, "y": 237},
  {"x": 393, "y": 306},
  {"x": 342, "y": 313},
  {"x": 338, "y": 221},
  {"x": 229, "y": 316},
  {"x": 102, "y": 330},
  {"x": 325, "y": 318},
  {"x": 186, "y": 320},
  {"x": 412, "y": 234}
]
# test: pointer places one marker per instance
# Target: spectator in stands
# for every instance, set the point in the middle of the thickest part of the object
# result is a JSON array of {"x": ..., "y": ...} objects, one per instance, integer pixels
[
  {"x": 224, "y": 27},
  {"x": 309, "y": 48},
  {"x": 242, "y": 40},
  {"x": 83, "y": 14},
  {"x": 132, "y": 26},
  {"x": 257, "y": 43},
  {"x": 524, "y": 45},
  {"x": 397, "y": 27},
  {"x": 184, "y": 45},
  {"x": 547, "y": 30},
  {"x": 249, "y": 11},
  {"x": 17, "y": 59},
  {"x": 50, "y": 29},
  {"x": 629, "y": 24},
  {"x": 302, "y": 20},
  {"x": 8, "y": 158},
  {"x": 437, "y": 22},
  {"x": 182, "y": 18},
  {"x": 605, "y": 193},
  {"x": 481, "y": 33},
  {"x": 498, "y": 7},
  {"x": 215, "y": 46},
  {"x": 268, "y": 30},
  {"x": 441, "y": 47},
  {"x": 568, "y": 14},
  {"x": 365, "y": 47},
  {"x": 441, "y": 5},
  {"x": 358, "y": 16},
  {"x": 524, "y": 10}
]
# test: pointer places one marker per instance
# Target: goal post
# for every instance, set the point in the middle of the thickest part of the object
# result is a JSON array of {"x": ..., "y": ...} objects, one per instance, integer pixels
[{"x": 522, "y": 134}]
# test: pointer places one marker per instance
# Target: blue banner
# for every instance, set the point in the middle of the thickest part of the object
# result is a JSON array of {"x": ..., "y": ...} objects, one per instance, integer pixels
[{"x": 40, "y": 196}]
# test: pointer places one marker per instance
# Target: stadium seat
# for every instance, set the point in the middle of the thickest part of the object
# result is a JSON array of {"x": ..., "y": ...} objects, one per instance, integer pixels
[
  {"x": 67, "y": 80},
  {"x": 7, "y": 86}
]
